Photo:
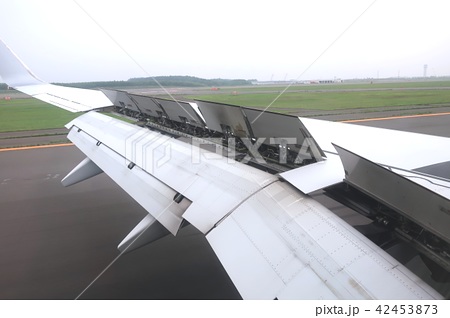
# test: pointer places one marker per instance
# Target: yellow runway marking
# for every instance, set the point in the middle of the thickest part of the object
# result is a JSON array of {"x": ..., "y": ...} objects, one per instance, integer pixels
[
  {"x": 395, "y": 117},
  {"x": 344, "y": 121},
  {"x": 36, "y": 147}
]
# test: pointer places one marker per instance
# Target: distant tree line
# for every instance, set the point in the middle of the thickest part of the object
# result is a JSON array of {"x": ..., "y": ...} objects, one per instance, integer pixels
[
  {"x": 189, "y": 81},
  {"x": 166, "y": 81}
]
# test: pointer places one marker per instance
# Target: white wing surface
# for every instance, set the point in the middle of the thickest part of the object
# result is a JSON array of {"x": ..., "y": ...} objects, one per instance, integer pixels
[
  {"x": 273, "y": 241},
  {"x": 14, "y": 72},
  {"x": 395, "y": 148},
  {"x": 392, "y": 148}
]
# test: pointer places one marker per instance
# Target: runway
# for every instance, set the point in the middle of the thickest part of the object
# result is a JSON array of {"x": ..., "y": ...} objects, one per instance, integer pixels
[
  {"x": 430, "y": 124},
  {"x": 55, "y": 241},
  {"x": 33, "y": 137}
]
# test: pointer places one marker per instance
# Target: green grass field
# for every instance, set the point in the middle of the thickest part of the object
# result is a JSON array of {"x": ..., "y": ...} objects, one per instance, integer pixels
[
  {"x": 335, "y": 96},
  {"x": 31, "y": 114},
  {"x": 337, "y": 86},
  {"x": 333, "y": 100}
]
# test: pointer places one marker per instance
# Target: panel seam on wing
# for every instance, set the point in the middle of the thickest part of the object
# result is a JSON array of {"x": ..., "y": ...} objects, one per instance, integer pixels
[{"x": 239, "y": 204}]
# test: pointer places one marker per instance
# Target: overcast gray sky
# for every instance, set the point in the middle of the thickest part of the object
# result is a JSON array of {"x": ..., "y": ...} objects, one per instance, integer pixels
[{"x": 228, "y": 39}]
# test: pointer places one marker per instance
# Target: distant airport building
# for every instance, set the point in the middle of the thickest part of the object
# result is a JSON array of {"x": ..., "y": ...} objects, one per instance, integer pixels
[{"x": 336, "y": 80}]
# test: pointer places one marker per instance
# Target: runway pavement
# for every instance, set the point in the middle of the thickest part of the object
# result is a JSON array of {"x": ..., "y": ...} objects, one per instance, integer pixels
[
  {"x": 33, "y": 137},
  {"x": 437, "y": 124},
  {"x": 55, "y": 241}
]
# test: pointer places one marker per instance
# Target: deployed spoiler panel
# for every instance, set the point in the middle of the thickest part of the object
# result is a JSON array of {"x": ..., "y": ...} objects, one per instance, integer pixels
[
  {"x": 181, "y": 112},
  {"x": 285, "y": 127},
  {"x": 148, "y": 106},
  {"x": 427, "y": 208},
  {"x": 225, "y": 118},
  {"x": 136, "y": 103},
  {"x": 284, "y": 135},
  {"x": 122, "y": 99}
]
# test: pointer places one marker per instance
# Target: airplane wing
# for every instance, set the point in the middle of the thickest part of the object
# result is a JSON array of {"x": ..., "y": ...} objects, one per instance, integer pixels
[
  {"x": 14, "y": 72},
  {"x": 272, "y": 240},
  {"x": 237, "y": 175}
]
